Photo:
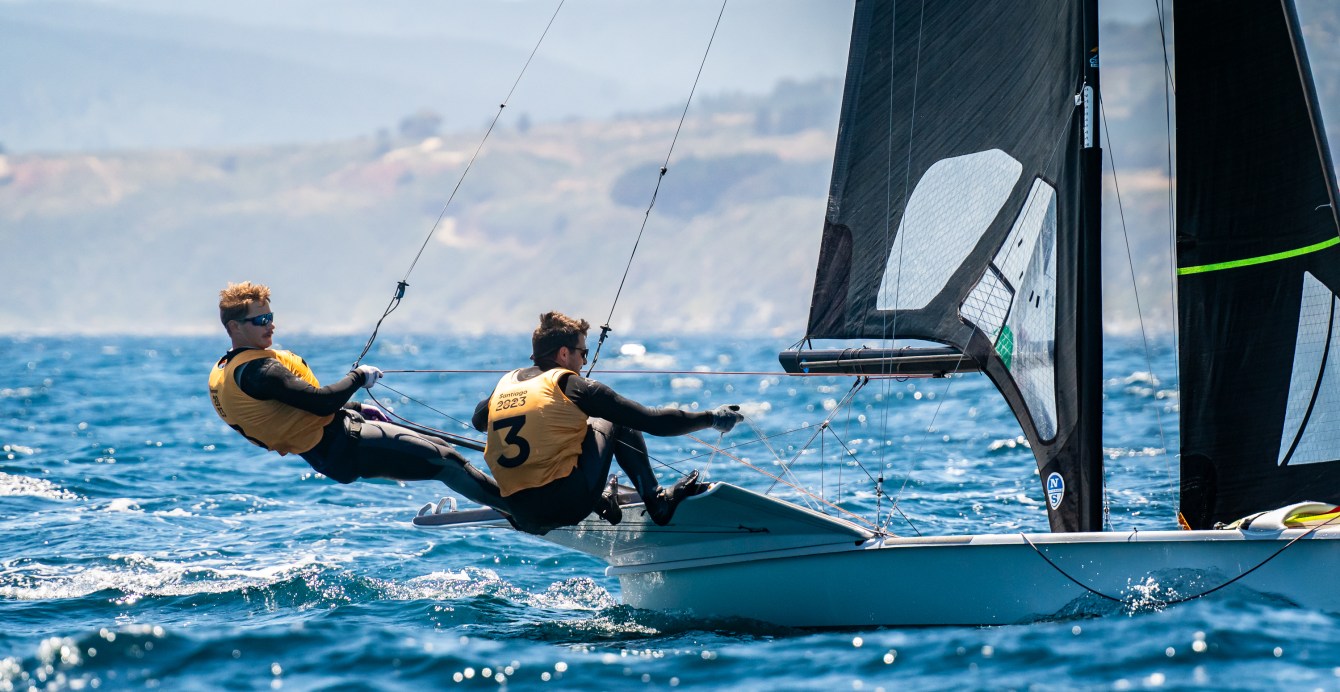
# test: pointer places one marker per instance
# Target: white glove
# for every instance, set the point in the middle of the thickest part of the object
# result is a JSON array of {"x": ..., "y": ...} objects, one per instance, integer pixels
[
  {"x": 725, "y": 417},
  {"x": 370, "y": 375}
]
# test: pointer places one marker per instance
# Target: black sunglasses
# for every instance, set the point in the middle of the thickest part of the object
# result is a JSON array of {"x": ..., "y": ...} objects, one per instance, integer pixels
[{"x": 259, "y": 320}]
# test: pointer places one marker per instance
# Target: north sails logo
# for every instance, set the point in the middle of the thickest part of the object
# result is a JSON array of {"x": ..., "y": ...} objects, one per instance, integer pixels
[{"x": 1055, "y": 490}]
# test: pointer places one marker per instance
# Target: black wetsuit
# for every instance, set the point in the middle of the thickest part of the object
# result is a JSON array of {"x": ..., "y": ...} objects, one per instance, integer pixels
[
  {"x": 614, "y": 433},
  {"x": 352, "y": 447}
]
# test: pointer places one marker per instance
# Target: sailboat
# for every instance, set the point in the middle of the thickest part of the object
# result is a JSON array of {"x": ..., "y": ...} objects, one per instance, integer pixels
[{"x": 964, "y": 210}]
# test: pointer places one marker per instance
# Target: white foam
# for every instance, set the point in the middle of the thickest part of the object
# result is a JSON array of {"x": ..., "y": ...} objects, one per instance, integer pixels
[
  {"x": 33, "y": 487},
  {"x": 124, "y": 504}
]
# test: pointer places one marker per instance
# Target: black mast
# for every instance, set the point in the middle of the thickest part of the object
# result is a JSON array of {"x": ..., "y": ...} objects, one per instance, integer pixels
[{"x": 1089, "y": 321}]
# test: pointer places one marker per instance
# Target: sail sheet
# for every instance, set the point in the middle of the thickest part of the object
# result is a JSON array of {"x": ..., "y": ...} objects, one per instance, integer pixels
[
  {"x": 955, "y": 206},
  {"x": 1258, "y": 257}
]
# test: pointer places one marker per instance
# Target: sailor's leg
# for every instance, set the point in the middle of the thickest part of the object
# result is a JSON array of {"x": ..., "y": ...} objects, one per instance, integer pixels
[
  {"x": 593, "y": 466},
  {"x": 630, "y": 450},
  {"x": 386, "y": 450}
]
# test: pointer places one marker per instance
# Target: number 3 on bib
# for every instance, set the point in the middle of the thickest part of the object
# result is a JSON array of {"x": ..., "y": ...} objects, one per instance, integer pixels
[{"x": 513, "y": 437}]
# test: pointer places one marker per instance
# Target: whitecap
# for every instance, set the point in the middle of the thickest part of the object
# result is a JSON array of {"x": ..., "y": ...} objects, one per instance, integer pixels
[
  {"x": 124, "y": 504},
  {"x": 34, "y": 487}
]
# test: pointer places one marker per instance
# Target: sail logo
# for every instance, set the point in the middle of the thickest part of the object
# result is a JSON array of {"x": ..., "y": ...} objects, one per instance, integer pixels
[{"x": 1055, "y": 490}]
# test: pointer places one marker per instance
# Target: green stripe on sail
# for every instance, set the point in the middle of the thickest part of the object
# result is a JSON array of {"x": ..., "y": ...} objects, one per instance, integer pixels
[
  {"x": 1005, "y": 346},
  {"x": 1183, "y": 271}
]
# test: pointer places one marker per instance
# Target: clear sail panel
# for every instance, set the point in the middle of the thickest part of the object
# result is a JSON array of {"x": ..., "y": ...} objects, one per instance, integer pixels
[
  {"x": 1312, "y": 419},
  {"x": 950, "y": 209},
  {"x": 1015, "y": 303}
]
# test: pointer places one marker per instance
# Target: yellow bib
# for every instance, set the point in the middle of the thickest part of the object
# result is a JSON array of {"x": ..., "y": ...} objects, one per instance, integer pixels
[
  {"x": 535, "y": 432},
  {"x": 270, "y": 424}
]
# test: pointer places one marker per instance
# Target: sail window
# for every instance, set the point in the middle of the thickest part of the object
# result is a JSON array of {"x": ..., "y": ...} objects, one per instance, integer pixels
[
  {"x": 948, "y": 212},
  {"x": 1024, "y": 335},
  {"x": 1312, "y": 418}
]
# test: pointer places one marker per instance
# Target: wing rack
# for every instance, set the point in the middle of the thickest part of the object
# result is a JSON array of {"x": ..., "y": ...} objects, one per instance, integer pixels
[{"x": 909, "y": 362}]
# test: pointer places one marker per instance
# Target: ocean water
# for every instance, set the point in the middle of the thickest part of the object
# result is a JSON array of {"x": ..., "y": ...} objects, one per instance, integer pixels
[{"x": 145, "y": 545}]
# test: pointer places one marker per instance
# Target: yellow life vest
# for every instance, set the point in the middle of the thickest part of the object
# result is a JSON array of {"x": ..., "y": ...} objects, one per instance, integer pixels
[
  {"x": 270, "y": 424},
  {"x": 535, "y": 432}
]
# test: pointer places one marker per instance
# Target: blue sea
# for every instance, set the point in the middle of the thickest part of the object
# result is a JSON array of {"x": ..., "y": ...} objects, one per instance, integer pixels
[{"x": 145, "y": 545}]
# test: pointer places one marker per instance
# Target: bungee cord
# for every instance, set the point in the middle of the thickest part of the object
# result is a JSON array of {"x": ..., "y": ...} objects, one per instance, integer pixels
[
  {"x": 605, "y": 328},
  {"x": 404, "y": 281},
  {"x": 1163, "y": 603}
]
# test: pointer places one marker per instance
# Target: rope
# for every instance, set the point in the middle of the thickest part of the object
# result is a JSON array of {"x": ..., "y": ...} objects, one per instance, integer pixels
[
  {"x": 1169, "y": 93},
  {"x": 802, "y": 491},
  {"x": 851, "y": 393},
  {"x": 1135, "y": 288},
  {"x": 404, "y": 282},
  {"x": 665, "y": 167},
  {"x": 1130, "y": 603},
  {"x": 681, "y": 372},
  {"x": 472, "y": 442}
]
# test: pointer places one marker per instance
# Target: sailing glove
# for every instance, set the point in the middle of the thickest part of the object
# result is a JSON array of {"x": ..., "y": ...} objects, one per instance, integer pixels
[
  {"x": 725, "y": 417},
  {"x": 370, "y": 375},
  {"x": 373, "y": 413}
]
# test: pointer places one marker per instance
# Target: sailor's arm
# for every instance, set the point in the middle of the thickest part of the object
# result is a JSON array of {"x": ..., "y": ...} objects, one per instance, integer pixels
[
  {"x": 481, "y": 418},
  {"x": 598, "y": 400},
  {"x": 268, "y": 379}
]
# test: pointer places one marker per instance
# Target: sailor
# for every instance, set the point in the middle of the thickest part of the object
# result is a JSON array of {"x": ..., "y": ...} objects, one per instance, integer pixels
[
  {"x": 273, "y": 399},
  {"x": 552, "y": 433}
]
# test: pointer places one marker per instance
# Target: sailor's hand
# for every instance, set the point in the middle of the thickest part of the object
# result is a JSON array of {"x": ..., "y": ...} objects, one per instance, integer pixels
[
  {"x": 373, "y": 413},
  {"x": 370, "y": 375},
  {"x": 725, "y": 417}
]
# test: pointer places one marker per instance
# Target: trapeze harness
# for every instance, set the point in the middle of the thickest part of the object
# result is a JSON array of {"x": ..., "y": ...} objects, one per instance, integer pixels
[
  {"x": 268, "y": 423},
  {"x": 535, "y": 431}
]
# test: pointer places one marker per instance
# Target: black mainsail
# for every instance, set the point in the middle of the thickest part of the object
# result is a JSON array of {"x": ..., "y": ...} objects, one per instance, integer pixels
[
  {"x": 1258, "y": 266},
  {"x": 963, "y": 210}
]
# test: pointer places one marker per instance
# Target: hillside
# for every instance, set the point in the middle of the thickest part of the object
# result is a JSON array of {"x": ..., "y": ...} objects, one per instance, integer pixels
[{"x": 142, "y": 241}]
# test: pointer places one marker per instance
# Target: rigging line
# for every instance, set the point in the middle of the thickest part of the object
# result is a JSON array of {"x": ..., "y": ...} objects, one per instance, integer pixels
[
  {"x": 1170, "y": 93},
  {"x": 1139, "y": 309},
  {"x": 472, "y": 443},
  {"x": 1164, "y": 603},
  {"x": 460, "y": 440},
  {"x": 907, "y": 168},
  {"x": 404, "y": 282},
  {"x": 760, "y": 373},
  {"x": 890, "y": 331},
  {"x": 761, "y": 438},
  {"x": 1163, "y": 41},
  {"x": 430, "y": 408},
  {"x": 645, "y": 531},
  {"x": 771, "y": 450},
  {"x": 846, "y": 399},
  {"x": 737, "y": 531},
  {"x": 803, "y": 492},
  {"x": 665, "y": 167}
]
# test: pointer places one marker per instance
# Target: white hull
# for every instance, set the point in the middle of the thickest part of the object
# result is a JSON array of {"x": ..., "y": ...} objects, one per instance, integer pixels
[
  {"x": 988, "y": 580},
  {"x": 733, "y": 553}
]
